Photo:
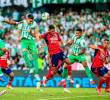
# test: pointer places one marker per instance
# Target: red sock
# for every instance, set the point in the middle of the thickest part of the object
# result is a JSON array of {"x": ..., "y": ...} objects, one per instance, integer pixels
[
  {"x": 109, "y": 79},
  {"x": 107, "y": 82},
  {"x": 10, "y": 81},
  {"x": 69, "y": 70},
  {"x": 101, "y": 81},
  {"x": 49, "y": 74},
  {"x": 64, "y": 84}
]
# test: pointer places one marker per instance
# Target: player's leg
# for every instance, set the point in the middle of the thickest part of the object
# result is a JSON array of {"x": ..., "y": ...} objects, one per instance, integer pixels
[
  {"x": 82, "y": 59},
  {"x": 9, "y": 72},
  {"x": 105, "y": 76},
  {"x": 52, "y": 69},
  {"x": 67, "y": 67},
  {"x": 101, "y": 80},
  {"x": 34, "y": 60},
  {"x": 25, "y": 53},
  {"x": 66, "y": 62}
]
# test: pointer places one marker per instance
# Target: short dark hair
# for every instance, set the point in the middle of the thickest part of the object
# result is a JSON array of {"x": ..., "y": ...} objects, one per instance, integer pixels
[
  {"x": 79, "y": 29},
  {"x": 51, "y": 27},
  {"x": 30, "y": 16}
]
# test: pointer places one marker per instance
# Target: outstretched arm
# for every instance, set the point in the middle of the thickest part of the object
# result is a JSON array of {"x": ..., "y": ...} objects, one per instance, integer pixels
[{"x": 11, "y": 22}]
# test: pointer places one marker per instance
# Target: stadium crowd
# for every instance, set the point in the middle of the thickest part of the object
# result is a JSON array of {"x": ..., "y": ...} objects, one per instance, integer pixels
[{"x": 96, "y": 26}]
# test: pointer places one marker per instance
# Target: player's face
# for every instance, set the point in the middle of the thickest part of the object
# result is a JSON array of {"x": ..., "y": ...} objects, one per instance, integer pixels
[
  {"x": 105, "y": 44},
  {"x": 51, "y": 31},
  {"x": 29, "y": 21},
  {"x": 78, "y": 34}
]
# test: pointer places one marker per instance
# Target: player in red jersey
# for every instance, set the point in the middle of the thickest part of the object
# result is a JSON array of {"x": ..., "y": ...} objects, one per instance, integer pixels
[
  {"x": 56, "y": 54},
  {"x": 98, "y": 68},
  {"x": 5, "y": 69}
]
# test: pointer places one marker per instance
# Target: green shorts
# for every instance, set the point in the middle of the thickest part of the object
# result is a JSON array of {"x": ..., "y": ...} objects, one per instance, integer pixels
[
  {"x": 78, "y": 58},
  {"x": 2, "y": 45},
  {"x": 28, "y": 45}
]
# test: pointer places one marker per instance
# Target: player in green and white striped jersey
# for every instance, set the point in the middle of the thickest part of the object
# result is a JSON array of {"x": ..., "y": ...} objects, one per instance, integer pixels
[
  {"x": 78, "y": 53},
  {"x": 27, "y": 31}
]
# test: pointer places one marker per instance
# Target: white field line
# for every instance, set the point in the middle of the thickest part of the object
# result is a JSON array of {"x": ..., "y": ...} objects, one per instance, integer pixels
[{"x": 63, "y": 98}]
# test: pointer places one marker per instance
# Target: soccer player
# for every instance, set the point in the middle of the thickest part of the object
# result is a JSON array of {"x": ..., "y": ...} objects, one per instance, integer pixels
[
  {"x": 2, "y": 47},
  {"x": 78, "y": 53},
  {"x": 5, "y": 69},
  {"x": 27, "y": 32},
  {"x": 56, "y": 54},
  {"x": 98, "y": 68}
]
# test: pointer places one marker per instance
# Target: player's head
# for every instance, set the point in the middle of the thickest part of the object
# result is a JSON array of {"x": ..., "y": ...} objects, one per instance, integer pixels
[
  {"x": 29, "y": 18},
  {"x": 78, "y": 32},
  {"x": 105, "y": 43},
  {"x": 51, "y": 28}
]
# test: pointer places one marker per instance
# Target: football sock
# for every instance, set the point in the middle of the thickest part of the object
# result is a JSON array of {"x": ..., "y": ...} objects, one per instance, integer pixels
[{"x": 101, "y": 81}]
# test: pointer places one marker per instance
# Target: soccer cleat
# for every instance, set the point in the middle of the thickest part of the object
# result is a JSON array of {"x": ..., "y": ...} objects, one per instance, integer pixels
[
  {"x": 70, "y": 79},
  {"x": 2, "y": 92},
  {"x": 9, "y": 87},
  {"x": 66, "y": 90},
  {"x": 107, "y": 90},
  {"x": 92, "y": 82},
  {"x": 98, "y": 91},
  {"x": 62, "y": 82}
]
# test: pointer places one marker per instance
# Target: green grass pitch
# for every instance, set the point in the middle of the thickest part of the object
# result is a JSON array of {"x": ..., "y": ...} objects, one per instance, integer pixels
[{"x": 53, "y": 94}]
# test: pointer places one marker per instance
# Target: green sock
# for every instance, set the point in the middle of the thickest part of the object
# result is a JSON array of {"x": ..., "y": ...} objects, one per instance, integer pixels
[
  {"x": 65, "y": 73},
  {"x": 88, "y": 73}
]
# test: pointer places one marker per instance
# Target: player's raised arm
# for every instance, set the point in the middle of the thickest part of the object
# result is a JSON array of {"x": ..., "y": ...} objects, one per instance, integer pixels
[
  {"x": 93, "y": 46},
  {"x": 8, "y": 21},
  {"x": 19, "y": 29}
]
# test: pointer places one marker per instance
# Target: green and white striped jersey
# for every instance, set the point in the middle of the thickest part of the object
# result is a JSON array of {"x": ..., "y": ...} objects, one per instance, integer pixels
[
  {"x": 78, "y": 44},
  {"x": 24, "y": 27}
]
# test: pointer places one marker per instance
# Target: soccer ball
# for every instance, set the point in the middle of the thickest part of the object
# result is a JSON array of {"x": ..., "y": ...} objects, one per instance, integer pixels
[
  {"x": 77, "y": 85},
  {"x": 45, "y": 16}
]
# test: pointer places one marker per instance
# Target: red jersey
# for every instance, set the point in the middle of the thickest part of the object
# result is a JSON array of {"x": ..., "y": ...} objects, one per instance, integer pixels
[
  {"x": 52, "y": 42},
  {"x": 3, "y": 60},
  {"x": 98, "y": 60}
]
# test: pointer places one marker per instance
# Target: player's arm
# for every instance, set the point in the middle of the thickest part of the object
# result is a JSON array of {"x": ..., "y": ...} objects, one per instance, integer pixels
[
  {"x": 70, "y": 42},
  {"x": 19, "y": 29},
  {"x": 93, "y": 46},
  {"x": 96, "y": 47},
  {"x": 11, "y": 22},
  {"x": 18, "y": 35}
]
